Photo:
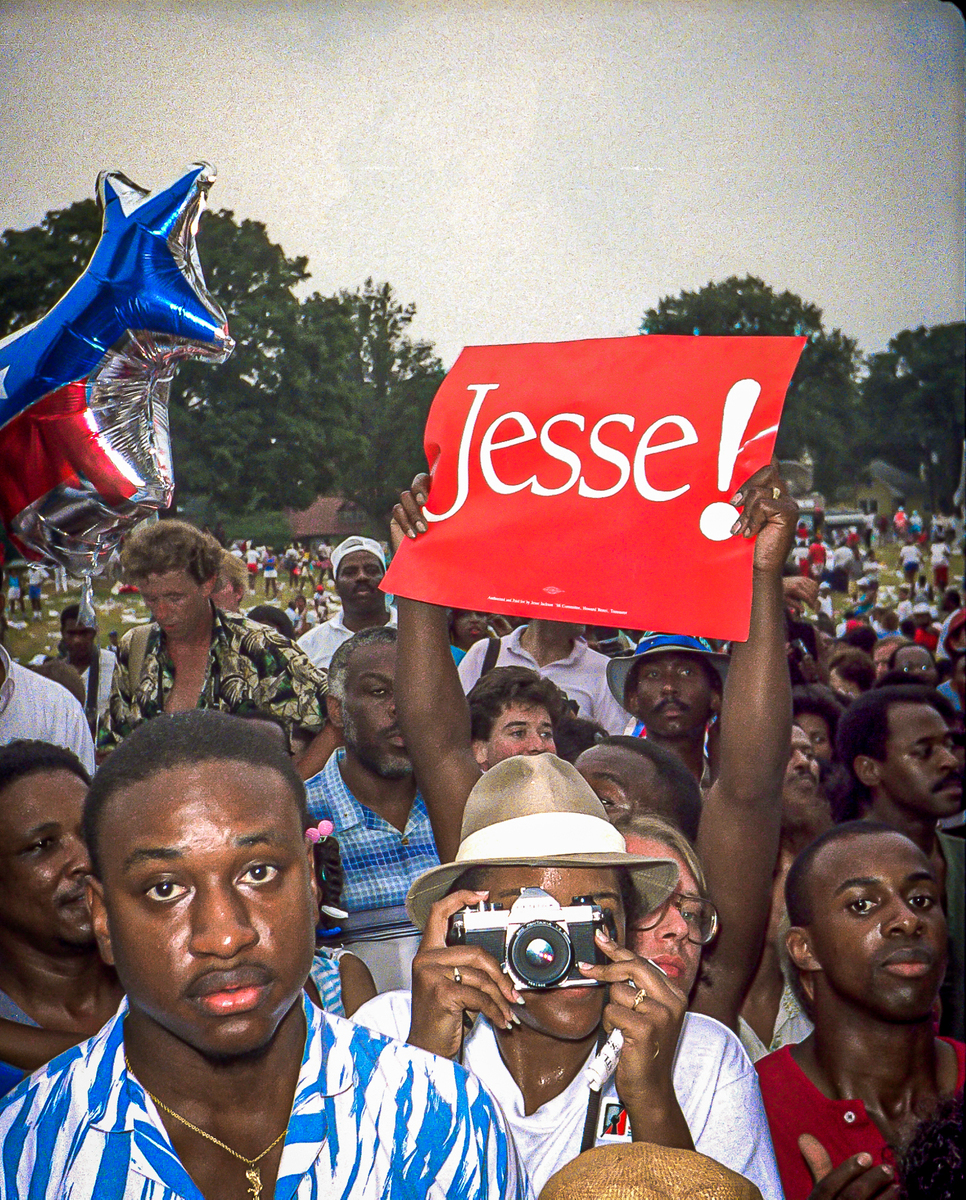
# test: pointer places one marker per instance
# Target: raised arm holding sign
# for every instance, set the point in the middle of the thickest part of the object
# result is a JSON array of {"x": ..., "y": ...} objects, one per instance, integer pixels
[
  {"x": 556, "y": 452},
  {"x": 739, "y": 826}
]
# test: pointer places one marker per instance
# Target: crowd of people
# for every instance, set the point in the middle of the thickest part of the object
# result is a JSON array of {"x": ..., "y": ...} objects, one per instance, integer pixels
[{"x": 364, "y": 897}]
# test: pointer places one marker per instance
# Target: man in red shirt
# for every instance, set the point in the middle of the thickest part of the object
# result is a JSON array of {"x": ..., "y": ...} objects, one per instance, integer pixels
[
  {"x": 926, "y": 633},
  {"x": 816, "y": 557},
  {"x": 868, "y": 940}
]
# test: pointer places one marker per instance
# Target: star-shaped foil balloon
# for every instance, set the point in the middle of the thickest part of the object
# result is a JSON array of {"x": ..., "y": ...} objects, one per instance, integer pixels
[{"x": 84, "y": 447}]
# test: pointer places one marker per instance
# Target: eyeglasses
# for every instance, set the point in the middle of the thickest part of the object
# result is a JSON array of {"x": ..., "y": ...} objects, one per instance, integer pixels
[{"x": 700, "y": 915}]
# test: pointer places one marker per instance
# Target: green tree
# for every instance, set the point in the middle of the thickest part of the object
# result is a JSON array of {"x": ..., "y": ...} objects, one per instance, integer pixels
[
  {"x": 39, "y": 264},
  {"x": 388, "y": 381},
  {"x": 822, "y": 403},
  {"x": 912, "y": 405},
  {"x": 262, "y": 429}
]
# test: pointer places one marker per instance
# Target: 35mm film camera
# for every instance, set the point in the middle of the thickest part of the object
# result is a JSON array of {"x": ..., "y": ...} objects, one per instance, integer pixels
[{"x": 537, "y": 942}]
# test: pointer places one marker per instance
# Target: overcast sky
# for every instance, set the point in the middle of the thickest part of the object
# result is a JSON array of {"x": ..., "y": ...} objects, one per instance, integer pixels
[{"x": 526, "y": 171}]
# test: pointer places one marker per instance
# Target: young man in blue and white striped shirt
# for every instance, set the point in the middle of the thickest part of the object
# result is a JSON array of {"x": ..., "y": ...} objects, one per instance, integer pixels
[{"x": 217, "y": 1078}]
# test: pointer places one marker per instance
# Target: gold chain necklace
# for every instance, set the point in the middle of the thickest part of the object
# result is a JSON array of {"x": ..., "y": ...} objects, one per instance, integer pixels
[{"x": 252, "y": 1173}]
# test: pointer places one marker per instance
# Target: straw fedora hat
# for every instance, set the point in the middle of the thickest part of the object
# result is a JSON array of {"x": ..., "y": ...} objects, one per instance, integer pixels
[
  {"x": 538, "y": 811},
  {"x": 642, "y": 1171}
]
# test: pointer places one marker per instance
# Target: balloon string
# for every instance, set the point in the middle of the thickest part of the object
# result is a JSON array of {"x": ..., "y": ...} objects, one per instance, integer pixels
[{"x": 86, "y": 616}]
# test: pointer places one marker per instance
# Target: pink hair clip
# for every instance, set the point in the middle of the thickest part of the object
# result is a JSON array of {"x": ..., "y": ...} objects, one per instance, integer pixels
[{"x": 319, "y": 832}]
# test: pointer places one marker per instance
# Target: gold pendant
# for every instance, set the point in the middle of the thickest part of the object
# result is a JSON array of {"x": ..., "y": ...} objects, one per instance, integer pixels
[{"x": 255, "y": 1179}]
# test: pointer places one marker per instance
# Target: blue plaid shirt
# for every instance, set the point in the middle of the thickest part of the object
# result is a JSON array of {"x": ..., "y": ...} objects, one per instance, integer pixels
[
  {"x": 379, "y": 862},
  {"x": 372, "y": 1119}
]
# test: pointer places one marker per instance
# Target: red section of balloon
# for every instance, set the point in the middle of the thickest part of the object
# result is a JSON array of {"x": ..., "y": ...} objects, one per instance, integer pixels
[
  {"x": 55, "y": 442},
  {"x": 585, "y": 481}
]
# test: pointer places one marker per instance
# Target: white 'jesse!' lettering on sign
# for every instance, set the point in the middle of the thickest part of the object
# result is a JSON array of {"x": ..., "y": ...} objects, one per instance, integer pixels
[{"x": 515, "y": 428}]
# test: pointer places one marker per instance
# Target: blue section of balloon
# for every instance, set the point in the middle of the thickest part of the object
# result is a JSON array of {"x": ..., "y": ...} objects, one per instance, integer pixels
[
  {"x": 84, "y": 447},
  {"x": 134, "y": 281}
]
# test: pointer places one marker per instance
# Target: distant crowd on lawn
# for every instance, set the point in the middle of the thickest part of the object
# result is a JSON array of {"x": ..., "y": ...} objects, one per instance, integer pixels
[{"x": 311, "y": 890}]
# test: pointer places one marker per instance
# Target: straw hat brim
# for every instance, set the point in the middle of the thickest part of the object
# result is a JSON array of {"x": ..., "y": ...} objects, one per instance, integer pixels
[
  {"x": 654, "y": 879},
  {"x": 643, "y": 1171}
]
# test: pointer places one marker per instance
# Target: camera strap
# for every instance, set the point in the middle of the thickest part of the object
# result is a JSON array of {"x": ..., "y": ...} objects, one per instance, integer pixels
[{"x": 589, "y": 1140}]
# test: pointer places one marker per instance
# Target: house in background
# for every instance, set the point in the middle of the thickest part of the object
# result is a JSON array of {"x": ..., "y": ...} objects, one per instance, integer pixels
[
  {"x": 881, "y": 488},
  {"x": 327, "y": 519}
]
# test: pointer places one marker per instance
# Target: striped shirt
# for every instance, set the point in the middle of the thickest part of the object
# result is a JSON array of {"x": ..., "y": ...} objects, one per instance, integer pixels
[
  {"x": 372, "y": 1118},
  {"x": 327, "y": 977},
  {"x": 378, "y": 861}
]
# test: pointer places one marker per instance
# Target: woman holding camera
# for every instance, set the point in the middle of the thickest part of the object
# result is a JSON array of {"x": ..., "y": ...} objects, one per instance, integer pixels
[{"x": 681, "y": 1080}]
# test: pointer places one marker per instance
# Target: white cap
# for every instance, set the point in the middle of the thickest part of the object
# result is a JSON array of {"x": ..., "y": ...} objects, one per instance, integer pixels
[{"x": 350, "y": 545}]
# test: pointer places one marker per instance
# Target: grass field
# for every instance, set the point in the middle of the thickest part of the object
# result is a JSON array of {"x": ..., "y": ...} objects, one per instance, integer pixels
[
  {"x": 121, "y": 612},
  {"x": 117, "y": 612}
]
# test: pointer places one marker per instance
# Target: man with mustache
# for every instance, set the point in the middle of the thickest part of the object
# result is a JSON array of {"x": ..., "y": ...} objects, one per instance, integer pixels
[
  {"x": 868, "y": 941},
  {"x": 367, "y": 790},
  {"x": 217, "y": 1077},
  {"x": 899, "y": 748},
  {"x": 358, "y": 565},
  {"x": 672, "y": 684},
  {"x": 805, "y": 808}
]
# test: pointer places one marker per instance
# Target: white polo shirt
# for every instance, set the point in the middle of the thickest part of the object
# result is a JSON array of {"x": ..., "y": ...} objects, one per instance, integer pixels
[{"x": 582, "y": 675}]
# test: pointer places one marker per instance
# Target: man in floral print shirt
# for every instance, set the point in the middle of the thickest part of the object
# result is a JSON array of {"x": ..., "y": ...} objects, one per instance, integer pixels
[{"x": 194, "y": 655}]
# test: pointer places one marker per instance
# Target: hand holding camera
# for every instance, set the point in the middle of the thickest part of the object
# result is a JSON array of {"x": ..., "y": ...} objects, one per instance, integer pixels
[
  {"x": 449, "y": 981},
  {"x": 649, "y": 1011}
]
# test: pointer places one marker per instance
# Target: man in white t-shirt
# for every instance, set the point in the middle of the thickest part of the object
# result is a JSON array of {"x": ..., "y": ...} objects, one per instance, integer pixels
[
  {"x": 825, "y": 599},
  {"x": 939, "y": 561},
  {"x": 842, "y": 561},
  {"x": 910, "y": 559},
  {"x": 36, "y": 574},
  {"x": 358, "y": 565},
  {"x": 680, "y": 1080}
]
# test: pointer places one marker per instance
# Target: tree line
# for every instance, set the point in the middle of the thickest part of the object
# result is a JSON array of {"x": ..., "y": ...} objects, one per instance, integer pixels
[
  {"x": 903, "y": 404},
  {"x": 329, "y": 394}
]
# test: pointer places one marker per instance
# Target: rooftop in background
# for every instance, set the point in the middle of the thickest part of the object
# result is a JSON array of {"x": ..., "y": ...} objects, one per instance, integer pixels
[{"x": 327, "y": 516}]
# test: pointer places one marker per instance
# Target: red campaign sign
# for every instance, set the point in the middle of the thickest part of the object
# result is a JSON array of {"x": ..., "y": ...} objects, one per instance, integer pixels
[{"x": 587, "y": 481}]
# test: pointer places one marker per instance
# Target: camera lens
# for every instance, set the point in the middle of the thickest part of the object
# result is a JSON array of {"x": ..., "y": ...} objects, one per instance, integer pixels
[{"x": 540, "y": 954}]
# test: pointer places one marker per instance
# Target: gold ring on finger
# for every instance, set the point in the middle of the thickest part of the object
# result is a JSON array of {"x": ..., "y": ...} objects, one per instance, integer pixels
[
  {"x": 775, "y": 493},
  {"x": 641, "y": 995},
  {"x": 457, "y": 977}
]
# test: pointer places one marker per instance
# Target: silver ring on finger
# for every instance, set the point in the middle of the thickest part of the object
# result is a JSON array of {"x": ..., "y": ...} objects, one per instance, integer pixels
[
  {"x": 775, "y": 493},
  {"x": 457, "y": 977}
]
